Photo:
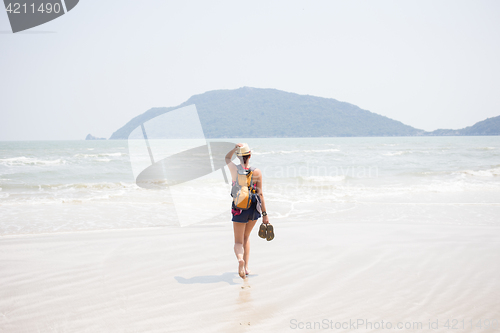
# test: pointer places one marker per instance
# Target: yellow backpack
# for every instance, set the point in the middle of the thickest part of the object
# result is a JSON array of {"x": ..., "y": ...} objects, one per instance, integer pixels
[{"x": 242, "y": 191}]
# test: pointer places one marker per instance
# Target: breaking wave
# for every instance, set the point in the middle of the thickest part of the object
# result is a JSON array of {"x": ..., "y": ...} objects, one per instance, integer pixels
[{"x": 22, "y": 160}]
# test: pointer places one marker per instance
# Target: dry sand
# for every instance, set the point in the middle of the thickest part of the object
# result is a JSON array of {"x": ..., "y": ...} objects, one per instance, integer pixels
[{"x": 185, "y": 279}]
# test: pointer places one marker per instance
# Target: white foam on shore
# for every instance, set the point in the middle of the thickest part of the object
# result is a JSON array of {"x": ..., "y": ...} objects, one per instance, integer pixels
[
  {"x": 22, "y": 160},
  {"x": 325, "y": 179},
  {"x": 286, "y": 152},
  {"x": 493, "y": 172},
  {"x": 101, "y": 155},
  {"x": 397, "y": 153}
]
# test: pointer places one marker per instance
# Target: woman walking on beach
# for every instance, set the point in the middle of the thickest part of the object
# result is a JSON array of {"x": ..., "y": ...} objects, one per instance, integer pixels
[{"x": 244, "y": 219}]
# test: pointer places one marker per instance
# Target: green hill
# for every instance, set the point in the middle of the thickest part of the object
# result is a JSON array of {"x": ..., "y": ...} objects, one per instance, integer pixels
[
  {"x": 490, "y": 126},
  {"x": 275, "y": 113}
]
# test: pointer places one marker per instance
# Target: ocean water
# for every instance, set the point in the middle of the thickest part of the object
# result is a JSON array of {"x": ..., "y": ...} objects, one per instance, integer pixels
[{"x": 67, "y": 186}]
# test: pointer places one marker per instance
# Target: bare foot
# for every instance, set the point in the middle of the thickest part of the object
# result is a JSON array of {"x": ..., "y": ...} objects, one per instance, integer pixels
[
  {"x": 241, "y": 268},
  {"x": 248, "y": 271}
]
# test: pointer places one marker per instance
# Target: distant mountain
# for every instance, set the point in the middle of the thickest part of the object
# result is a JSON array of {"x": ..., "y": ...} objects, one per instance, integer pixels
[
  {"x": 490, "y": 126},
  {"x": 255, "y": 112}
]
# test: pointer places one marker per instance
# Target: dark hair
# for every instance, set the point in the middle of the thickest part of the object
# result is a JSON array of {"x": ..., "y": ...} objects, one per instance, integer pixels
[{"x": 245, "y": 158}]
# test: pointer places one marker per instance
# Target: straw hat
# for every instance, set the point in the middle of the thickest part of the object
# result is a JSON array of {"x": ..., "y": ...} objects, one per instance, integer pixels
[{"x": 243, "y": 151}]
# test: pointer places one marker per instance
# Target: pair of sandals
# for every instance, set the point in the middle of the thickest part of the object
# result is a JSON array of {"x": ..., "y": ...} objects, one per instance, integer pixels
[{"x": 266, "y": 231}]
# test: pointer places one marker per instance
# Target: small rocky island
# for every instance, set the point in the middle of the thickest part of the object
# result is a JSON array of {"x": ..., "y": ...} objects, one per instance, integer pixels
[{"x": 91, "y": 137}]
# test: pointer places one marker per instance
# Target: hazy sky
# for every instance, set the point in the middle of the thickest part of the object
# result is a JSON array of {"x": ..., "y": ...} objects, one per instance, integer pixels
[{"x": 430, "y": 64}]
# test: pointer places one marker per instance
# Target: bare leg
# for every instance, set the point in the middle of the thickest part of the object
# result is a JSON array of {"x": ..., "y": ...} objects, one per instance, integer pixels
[
  {"x": 239, "y": 234},
  {"x": 246, "y": 244}
]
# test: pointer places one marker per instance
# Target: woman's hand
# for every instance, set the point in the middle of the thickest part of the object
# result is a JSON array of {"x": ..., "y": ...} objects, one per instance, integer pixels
[
  {"x": 229, "y": 155},
  {"x": 265, "y": 219}
]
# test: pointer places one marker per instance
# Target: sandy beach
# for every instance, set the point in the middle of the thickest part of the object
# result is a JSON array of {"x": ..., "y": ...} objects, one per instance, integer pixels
[
  {"x": 413, "y": 247},
  {"x": 184, "y": 279}
]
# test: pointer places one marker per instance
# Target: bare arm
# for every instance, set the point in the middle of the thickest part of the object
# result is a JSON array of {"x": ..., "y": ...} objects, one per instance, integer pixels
[
  {"x": 230, "y": 164},
  {"x": 260, "y": 192}
]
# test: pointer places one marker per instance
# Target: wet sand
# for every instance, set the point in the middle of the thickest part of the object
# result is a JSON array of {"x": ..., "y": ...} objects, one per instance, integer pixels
[{"x": 185, "y": 279}]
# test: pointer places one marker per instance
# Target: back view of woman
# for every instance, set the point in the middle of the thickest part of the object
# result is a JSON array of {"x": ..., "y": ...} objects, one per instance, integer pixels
[{"x": 244, "y": 219}]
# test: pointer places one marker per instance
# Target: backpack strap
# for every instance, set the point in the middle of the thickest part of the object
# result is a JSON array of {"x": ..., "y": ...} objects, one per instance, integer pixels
[
  {"x": 249, "y": 179},
  {"x": 250, "y": 171}
]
